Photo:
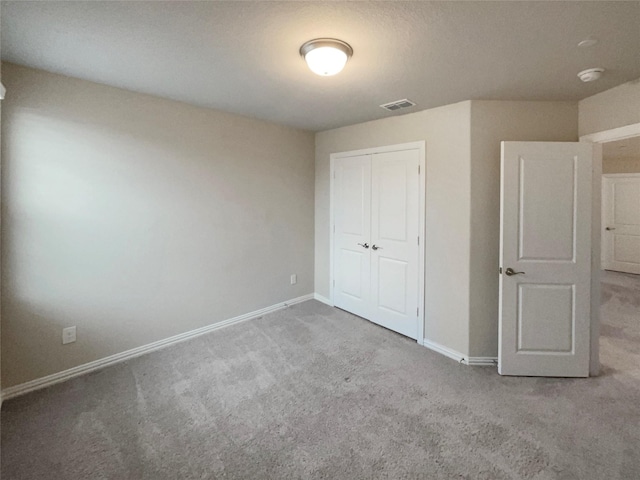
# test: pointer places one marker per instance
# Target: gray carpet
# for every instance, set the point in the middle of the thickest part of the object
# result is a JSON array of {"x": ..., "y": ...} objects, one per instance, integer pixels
[{"x": 313, "y": 392}]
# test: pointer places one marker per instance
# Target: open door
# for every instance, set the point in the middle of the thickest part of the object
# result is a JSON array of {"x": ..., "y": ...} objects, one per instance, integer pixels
[{"x": 545, "y": 259}]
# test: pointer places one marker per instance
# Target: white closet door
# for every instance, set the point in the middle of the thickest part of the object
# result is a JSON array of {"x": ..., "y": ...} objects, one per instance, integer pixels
[
  {"x": 352, "y": 216},
  {"x": 394, "y": 241}
]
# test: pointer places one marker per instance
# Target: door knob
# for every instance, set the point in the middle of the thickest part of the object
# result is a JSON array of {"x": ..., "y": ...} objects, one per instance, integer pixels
[
  {"x": 510, "y": 271},
  {"x": 375, "y": 247},
  {"x": 610, "y": 228},
  {"x": 365, "y": 245}
]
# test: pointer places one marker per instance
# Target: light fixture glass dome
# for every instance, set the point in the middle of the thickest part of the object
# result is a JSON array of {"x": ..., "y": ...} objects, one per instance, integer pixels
[{"x": 326, "y": 56}]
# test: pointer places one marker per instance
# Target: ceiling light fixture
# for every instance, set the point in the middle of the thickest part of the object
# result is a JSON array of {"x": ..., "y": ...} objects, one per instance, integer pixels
[{"x": 326, "y": 56}]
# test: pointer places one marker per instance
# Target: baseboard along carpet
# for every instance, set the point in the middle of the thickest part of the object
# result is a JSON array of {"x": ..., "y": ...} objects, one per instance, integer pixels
[{"x": 314, "y": 392}]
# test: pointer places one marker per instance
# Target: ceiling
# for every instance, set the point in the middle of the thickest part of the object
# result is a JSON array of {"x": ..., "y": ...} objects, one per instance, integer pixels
[
  {"x": 629, "y": 148},
  {"x": 243, "y": 57}
]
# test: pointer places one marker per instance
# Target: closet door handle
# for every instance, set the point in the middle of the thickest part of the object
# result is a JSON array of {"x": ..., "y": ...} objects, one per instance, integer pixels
[
  {"x": 365, "y": 245},
  {"x": 375, "y": 247}
]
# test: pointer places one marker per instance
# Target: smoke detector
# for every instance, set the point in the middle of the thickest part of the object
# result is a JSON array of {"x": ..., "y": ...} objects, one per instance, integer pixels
[
  {"x": 588, "y": 42},
  {"x": 590, "y": 74}
]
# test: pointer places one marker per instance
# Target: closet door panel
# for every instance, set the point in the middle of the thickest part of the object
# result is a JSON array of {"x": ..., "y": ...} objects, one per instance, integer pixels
[
  {"x": 394, "y": 240},
  {"x": 352, "y": 217}
]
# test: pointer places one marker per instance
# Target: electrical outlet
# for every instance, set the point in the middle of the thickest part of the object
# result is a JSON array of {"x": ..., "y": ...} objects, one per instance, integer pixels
[
  {"x": 294, "y": 279},
  {"x": 68, "y": 335}
]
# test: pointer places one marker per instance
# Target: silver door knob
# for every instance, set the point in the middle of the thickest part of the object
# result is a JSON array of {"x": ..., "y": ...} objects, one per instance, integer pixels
[
  {"x": 375, "y": 247},
  {"x": 510, "y": 271},
  {"x": 365, "y": 245},
  {"x": 610, "y": 228}
]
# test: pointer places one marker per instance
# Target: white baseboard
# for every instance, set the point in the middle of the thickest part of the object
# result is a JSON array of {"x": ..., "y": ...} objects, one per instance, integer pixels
[
  {"x": 59, "y": 377},
  {"x": 446, "y": 351},
  {"x": 459, "y": 357},
  {"x": 322, "y": 299}
]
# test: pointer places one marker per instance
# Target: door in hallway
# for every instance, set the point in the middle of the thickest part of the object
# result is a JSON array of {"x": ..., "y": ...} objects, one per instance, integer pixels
[{"x": 621, "y": 222}]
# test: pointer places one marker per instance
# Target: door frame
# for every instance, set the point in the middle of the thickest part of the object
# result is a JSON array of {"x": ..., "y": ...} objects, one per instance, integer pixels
[
  {"x": 606, "y": 177},
  {"x": 598, "y": 138},
  {"x": 421, "y": 147}
]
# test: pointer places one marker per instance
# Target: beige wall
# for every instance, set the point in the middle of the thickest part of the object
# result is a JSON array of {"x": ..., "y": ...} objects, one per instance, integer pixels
[
  {"x": 446, "y": 132},
  {"x": 621, "y": 165},
  {"x": 462, "y": 207},
  {"x": 612, "y": 108},
  {"x": 137, "y": 218},
  {"x": 491, "y": 123}
]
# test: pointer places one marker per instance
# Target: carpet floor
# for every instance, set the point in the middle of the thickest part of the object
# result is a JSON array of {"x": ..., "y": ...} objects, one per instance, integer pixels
[{"x": 314, "y": 392}]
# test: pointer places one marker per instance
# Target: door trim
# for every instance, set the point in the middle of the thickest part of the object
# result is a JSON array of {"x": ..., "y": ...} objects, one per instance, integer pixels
[
  {"x": 620, "y": 175},
  {"x": 620, "y": 133},
  {"x": 597, "y": 139},
  {"x": 421, "y": 147}
]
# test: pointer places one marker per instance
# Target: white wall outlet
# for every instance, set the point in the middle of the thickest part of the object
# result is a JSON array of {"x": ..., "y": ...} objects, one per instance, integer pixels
[
  {"x": 68, "y": 335},
  {"x": 294, "y": 279}
]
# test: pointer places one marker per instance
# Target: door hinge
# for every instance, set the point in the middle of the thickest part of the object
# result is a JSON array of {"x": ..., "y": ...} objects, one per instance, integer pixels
[
  {"x": 418, "y": 239},
  {"x": 418, "y": 312},
  {"x": 334, "y": 283},
  {"x": 501, "y": 270},
  {"x": 418, "y": 169}
]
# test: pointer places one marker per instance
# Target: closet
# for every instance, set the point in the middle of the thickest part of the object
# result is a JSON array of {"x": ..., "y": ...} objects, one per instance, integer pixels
[{"x": 376, "y": 239}]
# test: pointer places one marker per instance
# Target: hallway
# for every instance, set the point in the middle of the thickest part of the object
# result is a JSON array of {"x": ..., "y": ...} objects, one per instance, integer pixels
[{"x": 620, "y": 328}]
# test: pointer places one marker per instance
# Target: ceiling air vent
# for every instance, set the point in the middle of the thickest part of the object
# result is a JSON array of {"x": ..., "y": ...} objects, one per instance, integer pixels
[{"x": 397, "y": 105}]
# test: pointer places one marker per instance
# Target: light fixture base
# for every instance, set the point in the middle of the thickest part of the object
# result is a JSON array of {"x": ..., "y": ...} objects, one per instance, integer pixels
[{"x": 326, "y": 42}]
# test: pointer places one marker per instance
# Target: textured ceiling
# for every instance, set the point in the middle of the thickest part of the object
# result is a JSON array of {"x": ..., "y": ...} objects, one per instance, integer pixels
[{"x": 243, "y": 57}]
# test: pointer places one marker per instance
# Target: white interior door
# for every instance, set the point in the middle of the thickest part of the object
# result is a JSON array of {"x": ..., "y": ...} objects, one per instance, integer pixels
[
  {"x": 621, "y": 223},
  {"x": 394, "y": 240},
  {"x": 545, "y": 259},
  {"x": 352, "y": 220},
  {"x": 376, "y": 257}
]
